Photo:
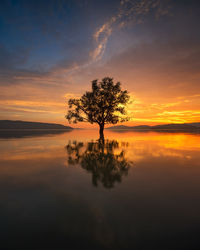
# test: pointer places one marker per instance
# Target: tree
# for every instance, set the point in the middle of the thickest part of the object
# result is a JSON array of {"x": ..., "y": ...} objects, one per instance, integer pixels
[{"x": 105, "y": 104}]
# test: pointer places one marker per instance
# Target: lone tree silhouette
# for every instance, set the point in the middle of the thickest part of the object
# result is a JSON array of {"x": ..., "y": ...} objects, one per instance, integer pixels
[{"x": 105, "y": 104}]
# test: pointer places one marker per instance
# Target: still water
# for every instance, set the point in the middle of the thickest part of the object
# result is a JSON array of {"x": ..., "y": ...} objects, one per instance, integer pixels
[{"x": 136, "y": 191}]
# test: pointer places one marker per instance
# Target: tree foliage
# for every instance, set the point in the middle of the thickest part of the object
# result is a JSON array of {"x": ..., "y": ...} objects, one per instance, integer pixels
[{"x": 105, "y": 104}]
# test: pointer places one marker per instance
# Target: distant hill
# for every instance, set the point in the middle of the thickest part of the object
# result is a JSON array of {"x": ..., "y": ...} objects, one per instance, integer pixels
[
  {"x": 9, "y": 124},
  {"x": 120, "y": 127},
  {"x": 182, "y": 127},
  {"x": 123, "y": 127},
  {"x": 196, "y": 124},
  {"x": 21, "y": 133},
  {"x": 166, "y": 127}
]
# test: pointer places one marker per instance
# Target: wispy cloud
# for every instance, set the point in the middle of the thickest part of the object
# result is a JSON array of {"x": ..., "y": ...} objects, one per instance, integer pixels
[{"x": 130, "y": 12}]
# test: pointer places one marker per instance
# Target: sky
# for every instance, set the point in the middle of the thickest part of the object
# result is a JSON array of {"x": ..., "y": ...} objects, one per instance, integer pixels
[{"x": 51, "y": 50}]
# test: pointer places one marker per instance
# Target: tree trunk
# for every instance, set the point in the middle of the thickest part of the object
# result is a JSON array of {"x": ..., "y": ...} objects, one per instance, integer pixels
[{"x": 101, "y": 135}]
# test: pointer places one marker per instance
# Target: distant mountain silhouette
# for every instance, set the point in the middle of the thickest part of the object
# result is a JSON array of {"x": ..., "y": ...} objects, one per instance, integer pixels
[
  {"x": 196, "y": 124},
  {"x": 166, "y": 127},
  {"x": 21, "y": 133},
  {"x": 9, "y": 124}
]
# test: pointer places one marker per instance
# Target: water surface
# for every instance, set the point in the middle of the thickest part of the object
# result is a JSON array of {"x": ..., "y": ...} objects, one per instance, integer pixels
[{"x": 137, "y": 190}]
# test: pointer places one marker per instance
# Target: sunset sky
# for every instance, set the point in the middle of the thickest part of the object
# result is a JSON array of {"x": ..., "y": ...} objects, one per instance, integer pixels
[{"x": 50, "y": 51}]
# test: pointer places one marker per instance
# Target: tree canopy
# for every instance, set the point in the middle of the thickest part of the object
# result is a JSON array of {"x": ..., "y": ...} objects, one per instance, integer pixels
[{"x": 105, "y": 104}]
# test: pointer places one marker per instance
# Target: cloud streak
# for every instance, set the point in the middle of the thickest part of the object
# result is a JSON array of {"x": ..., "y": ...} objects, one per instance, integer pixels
[{"x": 130, "y": 12}]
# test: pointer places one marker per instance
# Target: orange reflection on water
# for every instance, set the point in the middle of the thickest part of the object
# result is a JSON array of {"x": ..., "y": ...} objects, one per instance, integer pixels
[
  {"x": 143, "y": 144},
  {"x": 137, "y": 145},
  {"x": 167, "y": 140},
  {"x": 155, "y": 181}
]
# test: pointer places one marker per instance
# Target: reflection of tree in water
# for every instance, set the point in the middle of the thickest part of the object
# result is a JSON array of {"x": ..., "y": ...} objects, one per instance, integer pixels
[{"x": 99, "y": 158}]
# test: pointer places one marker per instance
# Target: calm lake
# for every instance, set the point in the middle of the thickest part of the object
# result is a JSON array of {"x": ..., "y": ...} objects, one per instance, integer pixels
[{"x": 136, "y": 191}]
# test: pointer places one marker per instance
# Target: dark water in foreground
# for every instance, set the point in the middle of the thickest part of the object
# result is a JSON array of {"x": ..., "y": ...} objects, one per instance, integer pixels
[{"x": 64, "y": 191}]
